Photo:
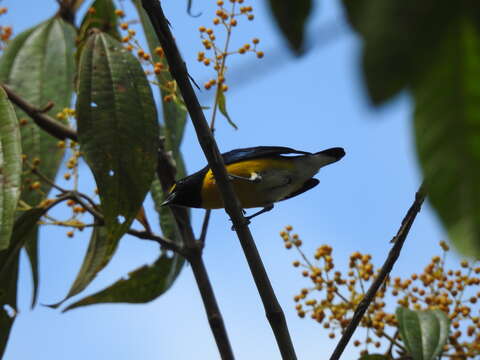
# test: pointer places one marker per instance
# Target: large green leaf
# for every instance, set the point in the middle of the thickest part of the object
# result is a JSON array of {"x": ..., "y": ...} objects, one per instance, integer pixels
[
  {"x": 174, "y": 112},
  {"x": 117, "y": 129},
  {"x": 99, "y": 252},
  {"x": 101, "y": 16},
  {"x": 423, "y": 332},
  {"x": 27, "y": 67},
  {"x": 291, "y": 18},
  {"x": 10, "y": 168},
  {"x": 399, "y": 38},
  {"x": 39, "y": 65},
  {"x": 9, "y": 258},
  {"x": 174, "y": 121},
  {"x": 447, "y": 130},
  {"x": 142, "y": 285}
]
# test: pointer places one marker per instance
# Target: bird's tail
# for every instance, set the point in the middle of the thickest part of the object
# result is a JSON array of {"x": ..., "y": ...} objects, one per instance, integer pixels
[{"x": 330, "y": 156}]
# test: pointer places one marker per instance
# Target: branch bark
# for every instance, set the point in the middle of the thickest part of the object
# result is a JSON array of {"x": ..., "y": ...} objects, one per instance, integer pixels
[
  {"x": 179, "y": 72},
  {"x": 193, "y": 253},
  {"x": 393, "y": 255},
  {"x": 45, "y": 122}
]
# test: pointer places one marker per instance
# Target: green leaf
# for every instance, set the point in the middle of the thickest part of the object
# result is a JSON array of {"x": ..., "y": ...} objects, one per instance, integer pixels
[
  {"x": 447, "y": 131},
  {"x": 9, "y": 258},
  {"x": 291, "y": 18},
  {"x": 174, "y": 121},
  {"x": 142, "y": 285},
  {"x": 400, "y": 38},
  {"x": 101, "y": 16},
  {"x": 8, "y": 300},
  {"x": 27, "y": 66},
  {"x": 117, "y": 129},
  {"x": 374, "y": 357},
  {"x": 222, "y": 106},
  {"x": 423, "y": 332},
  {"x": 31, "y": 247},
  {"x": 99, "y": 252},
  {"x": 174, "y": 112},
  {"x": 24, "y": 225},
  {"x": 10, "y": 168}
]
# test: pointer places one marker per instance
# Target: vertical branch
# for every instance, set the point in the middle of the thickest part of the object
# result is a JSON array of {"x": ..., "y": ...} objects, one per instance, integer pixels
[
  {"x": 398, "y": 240},
  {"x": 193, "y": 254},
  {"x": 179, "y": 72}
]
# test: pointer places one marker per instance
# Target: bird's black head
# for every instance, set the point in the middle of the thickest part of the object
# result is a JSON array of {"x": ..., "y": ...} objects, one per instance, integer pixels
[{"x": 186, "y": 192}]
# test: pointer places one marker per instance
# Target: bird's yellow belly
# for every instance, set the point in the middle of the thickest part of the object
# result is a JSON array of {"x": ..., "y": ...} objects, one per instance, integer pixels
[{"x": 250, "y": 194}]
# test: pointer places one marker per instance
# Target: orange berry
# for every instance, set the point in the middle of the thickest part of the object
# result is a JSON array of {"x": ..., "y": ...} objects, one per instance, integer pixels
[{"x": 124, "y": 26}]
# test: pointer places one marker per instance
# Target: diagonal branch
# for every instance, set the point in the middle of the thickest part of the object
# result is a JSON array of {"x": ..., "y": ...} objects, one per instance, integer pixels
[
  {"x": 179, "y": 72},
  {"x": 47, "y": 123},
  {"x": 398, "y": 240}
]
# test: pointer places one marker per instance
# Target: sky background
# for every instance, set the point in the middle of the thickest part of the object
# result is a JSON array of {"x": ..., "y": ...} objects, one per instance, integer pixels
[{"x": 310, "y": 103}]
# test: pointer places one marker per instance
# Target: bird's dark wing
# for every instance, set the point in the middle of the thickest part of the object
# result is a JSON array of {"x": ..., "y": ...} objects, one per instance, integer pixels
[
  {"x": 258, "y": 152},
  {"x": 309, "y": 184}
]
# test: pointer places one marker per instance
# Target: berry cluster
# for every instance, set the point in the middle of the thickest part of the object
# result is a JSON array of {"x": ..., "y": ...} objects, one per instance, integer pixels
[{"x": 333, "y": 297}]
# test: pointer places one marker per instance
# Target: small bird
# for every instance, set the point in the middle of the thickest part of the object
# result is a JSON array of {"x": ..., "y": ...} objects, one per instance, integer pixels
[{"x": 261, "y": 176}]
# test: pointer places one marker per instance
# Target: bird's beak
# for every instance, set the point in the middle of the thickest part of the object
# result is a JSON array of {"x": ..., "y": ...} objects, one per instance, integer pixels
[{"x": 170, "y": 198}]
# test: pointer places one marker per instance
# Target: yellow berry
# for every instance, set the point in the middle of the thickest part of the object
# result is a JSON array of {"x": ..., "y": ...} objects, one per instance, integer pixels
[
  {"x": 119, "y": 12},
  {"x": 124, "y": 26},
  {"x": 260, "y": 54}
]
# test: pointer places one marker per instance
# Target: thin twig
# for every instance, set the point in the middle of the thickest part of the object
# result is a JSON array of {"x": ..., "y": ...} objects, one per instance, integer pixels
[
  {"x": 47, "y": 123},
  {"x": 203, "y": 235},
  {"x": 398, "y": 240},
  {"x": 179, "y": 72}
]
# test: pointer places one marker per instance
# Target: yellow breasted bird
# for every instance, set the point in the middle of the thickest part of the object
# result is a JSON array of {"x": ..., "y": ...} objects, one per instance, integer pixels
[{"x": 260, "y": 176}]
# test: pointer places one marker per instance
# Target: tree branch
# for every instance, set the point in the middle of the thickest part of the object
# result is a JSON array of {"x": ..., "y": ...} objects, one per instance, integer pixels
[
  {"x": 398, "y": 240},
  {"x": 47, "y": 123},
  {"x": 215, "y": 161},
  {"x": 166, "y": 175}
]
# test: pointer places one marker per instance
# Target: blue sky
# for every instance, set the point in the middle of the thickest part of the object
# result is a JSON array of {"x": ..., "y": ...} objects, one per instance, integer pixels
[{"x": 310, "y": 103}]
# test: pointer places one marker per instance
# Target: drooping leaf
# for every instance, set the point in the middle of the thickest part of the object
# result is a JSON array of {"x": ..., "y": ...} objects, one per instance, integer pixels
[
  {"x": 174, "y": 112},
  {"x": 9, "y": 258},
  {"x": 222, "y": 106},
  {"x": 24, "y": 225},
  {"x": 101, "y": 15},
  {"x": 27, "y": 66},
  {"x": 423, "y": 332},
  {"x": 447, "y": 131},
  {"x": 291, "y": 17},
  {"x": 174, "y": 121},
  {"x": 399, "y": 39},
  {"x": 117, "y": 129},
  {"x": 142, "y": 285},
  {"x": 10, "y": 168},
  {"x": 99, "y": 252},
  {"x": 31, "y": 248},
  {"x": 8, "y": 300}
]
